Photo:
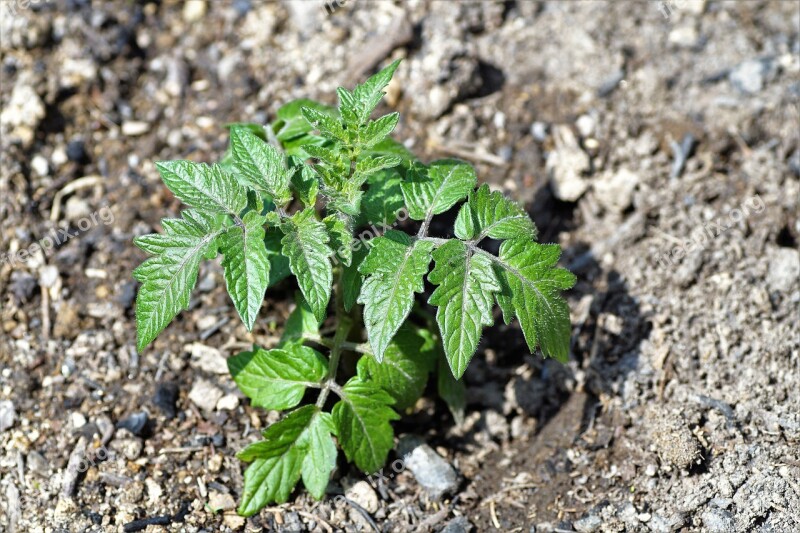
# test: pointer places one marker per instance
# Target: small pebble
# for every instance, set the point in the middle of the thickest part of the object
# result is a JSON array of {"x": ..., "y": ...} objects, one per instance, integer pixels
[
  {"x": 205, "y": 395},
  {"x": 7, "y": 415},
  {"x": 363, "y": 494},
  {"x": 133, "y": 128},
  {"x": 229, "y": 402}
]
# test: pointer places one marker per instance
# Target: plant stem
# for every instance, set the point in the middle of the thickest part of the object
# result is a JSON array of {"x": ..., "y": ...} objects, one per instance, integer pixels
[
  {"x": 343, "y": 325},
  {"x": 344, "y": 345}
]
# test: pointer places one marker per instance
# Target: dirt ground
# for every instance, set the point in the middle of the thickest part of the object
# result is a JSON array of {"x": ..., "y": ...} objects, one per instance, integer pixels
[{"x": 657, "y": 141}]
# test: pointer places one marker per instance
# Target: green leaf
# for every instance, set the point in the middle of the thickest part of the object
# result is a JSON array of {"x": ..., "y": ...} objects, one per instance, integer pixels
[
  {"x": 205, "y": 187},
  {"x": 305, "y": 185},
  {"x": 383, "y": 201},
  {"x": 278, "y": 263},
  {"x": 306, "y": 245},
  {"x": 256, "y": 129},
  {"x": 447, "y": 182},
  {"x": 261, "y": 165},
  {"x": 389, "y": 146},
  {"x": 277, "y": 379},
  {"x": 451, "y": 390},
  {"x": 348, "y": 106},
  {"x": 341, "y": 239},
  {"x": 366, "y": 97},
  {"x": 490, "y": 214},
  {"x": 245, "y": 261},
  {"x": 362, "y": 419},
  {"x": 395, "y": 267},
  {"x": 169, "y": 277},
  {"x": 377, "y": 130},
  {"x": 352, "y": 278},
  {"x": 320, "y": 459},
  {"x": 327, "y": 125},
  {"x": 290, "y": 124},
  {"x": 370, "y": 165},
  {"x": 403, "y": 373},
  {"x": 277, "y": 461},
  {"x": 531, "y": 290},
  {"x": 464, "y": 297},
  {"x": 301, "y": 322}
]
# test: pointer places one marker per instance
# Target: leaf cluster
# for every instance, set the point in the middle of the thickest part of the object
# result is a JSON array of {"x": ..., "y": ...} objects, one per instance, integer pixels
[{"x": 286, "y": 200}]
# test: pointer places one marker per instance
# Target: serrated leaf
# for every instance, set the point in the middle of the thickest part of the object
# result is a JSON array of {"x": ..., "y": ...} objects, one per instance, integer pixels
[
  {"x": 383, "y": 200},
  {"x": 301, "y": 322},
  {"x": 305, "y": 185},
  {"x": 490, "y": 214},
  {"x": 395, "y": 267},
  {"x": 377, "y": 130},
  {"x": 278, "y": 263},
  {"x": 277, "y": 379},
  {"x": 362, "y": 418},
  {"x": 366, "y": 97},
  {"x": 403, "y": 372},
  {"x": 348, "y": 106},
  {"x": 389, "y": 146},
  {"x": 329, "y": 156},
  {"x": 205, "y": 187},
  {"x": 352, "y": 279},
  {"x": 370, "y": 165},
  {"x": 277, "y": 461},
  {"x": 290, "y": 124},
  {"x": 341, "y": 239},
  {"x": 306, "y": 245},
  {"x": 320, "y": 458},
  {"x": 464, "y": 297},
  {"x": 451, "y": 390},
  {"x": 327, "y": 125},
  {"x": 245, "y": 262},
  {"x": 447, "y": 182},
  {"x": 531, "y": 290},
  {"x": 261, "y": 165},
  {"x": 169, "y": 277}
]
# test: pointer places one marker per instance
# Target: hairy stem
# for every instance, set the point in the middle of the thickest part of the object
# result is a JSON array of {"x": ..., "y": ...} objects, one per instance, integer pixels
[{"x": 343, "y": 326}]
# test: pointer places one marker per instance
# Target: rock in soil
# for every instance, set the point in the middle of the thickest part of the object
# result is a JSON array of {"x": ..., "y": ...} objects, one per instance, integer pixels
[{"x": 430, "y": 469}]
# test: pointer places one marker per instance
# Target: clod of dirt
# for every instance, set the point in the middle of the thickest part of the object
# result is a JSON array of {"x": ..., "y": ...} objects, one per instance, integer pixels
[
  {"x": 674, "y": 442},
  {"x": 165, "y": 399}
]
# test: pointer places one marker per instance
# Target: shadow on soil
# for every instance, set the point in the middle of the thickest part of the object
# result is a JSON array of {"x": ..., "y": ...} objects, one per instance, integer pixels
[{"x": 607, "y": 331}]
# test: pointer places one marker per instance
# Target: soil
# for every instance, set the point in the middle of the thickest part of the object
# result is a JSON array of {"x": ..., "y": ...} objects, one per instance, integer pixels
[{"x": 657, "y": 142}]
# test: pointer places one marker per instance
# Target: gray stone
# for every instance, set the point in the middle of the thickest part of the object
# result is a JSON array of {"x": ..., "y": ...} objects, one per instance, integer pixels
[
  {"x": 784, "y": 269},
  {"x": 751, "y": 76},
  {"x": 718, "y": 520},
  {"x": 458, "y": 525},
  {"x": 430, "y": 469},
  {"x": 588, "y": 524},
  {"x": 7, "y": 415}
]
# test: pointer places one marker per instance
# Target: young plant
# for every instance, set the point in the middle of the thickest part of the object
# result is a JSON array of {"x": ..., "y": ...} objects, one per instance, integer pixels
[{"x": 288, "y": 199}]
